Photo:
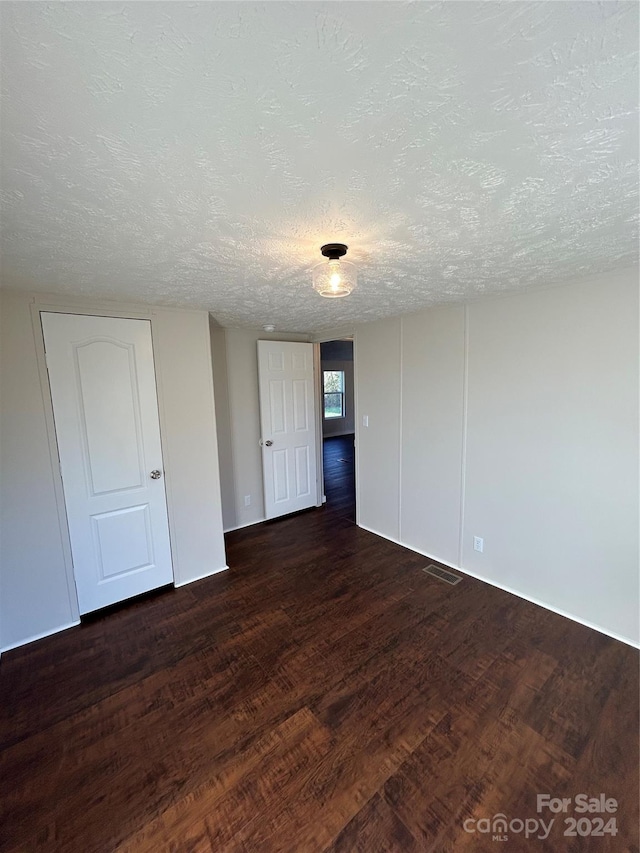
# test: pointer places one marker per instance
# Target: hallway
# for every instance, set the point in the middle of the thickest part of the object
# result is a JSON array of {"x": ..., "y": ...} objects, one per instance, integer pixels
[{"x": 339, "y": 475}]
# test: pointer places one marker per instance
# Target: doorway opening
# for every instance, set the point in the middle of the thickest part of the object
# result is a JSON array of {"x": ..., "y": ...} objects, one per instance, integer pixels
[{"x": 337, "y": 414}]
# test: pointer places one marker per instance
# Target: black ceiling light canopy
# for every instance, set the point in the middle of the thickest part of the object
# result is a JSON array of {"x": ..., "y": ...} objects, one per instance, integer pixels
[{"x": 333, "y": 251}]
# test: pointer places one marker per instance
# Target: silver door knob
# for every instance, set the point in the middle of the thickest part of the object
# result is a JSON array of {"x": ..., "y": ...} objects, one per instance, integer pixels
[
  {"x": 155, "y": 475},
  {"x": 268, "y": 442}
]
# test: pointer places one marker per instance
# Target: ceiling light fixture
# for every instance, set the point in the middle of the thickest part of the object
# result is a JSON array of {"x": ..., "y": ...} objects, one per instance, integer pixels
[{"x": 335, "y": 277}]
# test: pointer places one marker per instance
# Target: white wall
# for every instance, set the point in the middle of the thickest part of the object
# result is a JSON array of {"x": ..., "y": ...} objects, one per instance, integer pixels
[
  {"x": 37, "y": 594},
  {"x": 223, "y": 423},
  {"x": 552, "y": 449},
  {"x": 188, "y": 423},
  {"x": 377, "y": 358},
  {"x": 518, "y": 422},
  {"x": 432, "y": 418},
  {"x": 235, "y": 368},
  {"x": 35, "y": 597}
]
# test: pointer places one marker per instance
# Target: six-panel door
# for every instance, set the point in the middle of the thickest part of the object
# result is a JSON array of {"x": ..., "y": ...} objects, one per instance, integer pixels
[{"x": 287, "y": 418}]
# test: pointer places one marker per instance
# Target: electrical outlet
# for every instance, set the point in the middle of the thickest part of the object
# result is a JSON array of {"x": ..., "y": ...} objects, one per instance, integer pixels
[
  {"x": 365, "y": 420},
  {"x": 478, "y": 544},
  {"x": 247, "y": 500}
]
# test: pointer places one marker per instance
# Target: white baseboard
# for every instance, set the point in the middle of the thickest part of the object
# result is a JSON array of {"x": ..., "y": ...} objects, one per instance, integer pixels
[
  {"x": 240, "y": 526},
  {"x": 508, "y": 589},
  {"x": 49, "y": 633},
  {"x": 201, "y": 577},
  {"x": 39, "y": 636}
]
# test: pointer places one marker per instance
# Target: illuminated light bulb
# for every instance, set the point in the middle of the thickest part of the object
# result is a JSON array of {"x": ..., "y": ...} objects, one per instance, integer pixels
[{"x": 335, "y": 277}]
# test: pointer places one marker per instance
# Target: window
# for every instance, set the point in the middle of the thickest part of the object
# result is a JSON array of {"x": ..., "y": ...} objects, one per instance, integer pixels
[{"x": 333, "y": 387}]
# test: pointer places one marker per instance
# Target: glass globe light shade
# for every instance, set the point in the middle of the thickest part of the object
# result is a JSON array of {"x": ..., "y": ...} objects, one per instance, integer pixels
[{"x": 335, "y": 278}]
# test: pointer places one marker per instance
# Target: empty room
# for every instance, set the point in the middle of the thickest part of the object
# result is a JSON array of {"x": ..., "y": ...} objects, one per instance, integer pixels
[{"x": 319, "y": 427}]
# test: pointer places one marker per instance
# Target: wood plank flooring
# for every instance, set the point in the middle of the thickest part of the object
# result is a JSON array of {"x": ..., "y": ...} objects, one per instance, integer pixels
[
  {"x": 339, "y": 475},
  {"x": 324, "y": 694}
]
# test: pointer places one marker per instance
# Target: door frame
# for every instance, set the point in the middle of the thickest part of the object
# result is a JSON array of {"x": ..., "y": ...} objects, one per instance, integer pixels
[
  {"x": 49, "y": 303},
  {"x": 336, "y": 335}
]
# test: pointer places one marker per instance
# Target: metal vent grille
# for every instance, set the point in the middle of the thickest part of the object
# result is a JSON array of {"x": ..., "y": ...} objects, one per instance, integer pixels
[{"x": 442, "y": 574}]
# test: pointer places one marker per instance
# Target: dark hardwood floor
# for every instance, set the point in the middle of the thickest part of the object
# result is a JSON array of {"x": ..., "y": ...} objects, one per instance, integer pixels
[
  {"x": 339, "y": 475},
  {"x": 323, "y": 694}
]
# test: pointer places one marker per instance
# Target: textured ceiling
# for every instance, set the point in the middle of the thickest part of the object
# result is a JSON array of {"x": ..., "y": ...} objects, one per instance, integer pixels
[{"x": 199, "y": 154}]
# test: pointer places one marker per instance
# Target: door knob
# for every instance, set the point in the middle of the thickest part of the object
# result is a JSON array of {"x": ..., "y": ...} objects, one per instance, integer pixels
[
  {"x": 155, "y": 474},
  {"x": 268, "y": 442}
]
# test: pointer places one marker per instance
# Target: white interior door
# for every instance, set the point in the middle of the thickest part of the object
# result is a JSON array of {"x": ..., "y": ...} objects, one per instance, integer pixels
[
  {"x": 287, "y": 419},
  {"x": 105, "y": 408}
]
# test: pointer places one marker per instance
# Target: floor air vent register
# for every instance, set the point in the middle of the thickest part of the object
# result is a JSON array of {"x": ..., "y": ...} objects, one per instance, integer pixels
[{"x": 442, "y": 574}]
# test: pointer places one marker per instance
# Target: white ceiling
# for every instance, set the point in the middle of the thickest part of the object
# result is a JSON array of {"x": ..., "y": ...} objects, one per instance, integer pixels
[{"x": 199, "y": 154}]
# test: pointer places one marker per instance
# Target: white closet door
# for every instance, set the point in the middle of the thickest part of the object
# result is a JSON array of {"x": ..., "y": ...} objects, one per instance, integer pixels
[{"x": 105, "y": 407}]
